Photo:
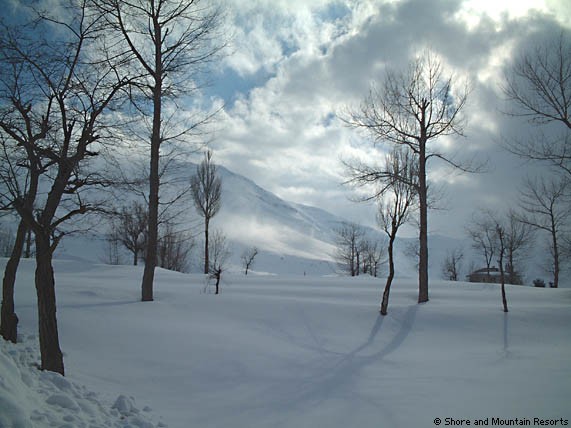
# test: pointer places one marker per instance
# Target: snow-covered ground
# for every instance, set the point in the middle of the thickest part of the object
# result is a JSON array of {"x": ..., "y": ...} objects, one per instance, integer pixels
[{"x": 287, "y": 351}]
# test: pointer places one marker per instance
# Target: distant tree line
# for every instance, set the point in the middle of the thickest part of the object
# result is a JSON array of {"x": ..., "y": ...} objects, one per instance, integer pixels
[{"x": 356, "y": 254}]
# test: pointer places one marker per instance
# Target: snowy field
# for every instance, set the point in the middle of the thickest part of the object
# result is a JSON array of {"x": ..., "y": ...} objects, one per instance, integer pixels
[{"x": 274, "y": 351}]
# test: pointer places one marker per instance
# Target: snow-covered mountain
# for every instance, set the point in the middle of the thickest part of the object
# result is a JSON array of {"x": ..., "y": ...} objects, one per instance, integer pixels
[{"x": 292, "y": 238}]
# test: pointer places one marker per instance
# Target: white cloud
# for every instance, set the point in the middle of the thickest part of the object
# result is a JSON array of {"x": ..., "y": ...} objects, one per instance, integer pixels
[{"x": 283, "y": 133}]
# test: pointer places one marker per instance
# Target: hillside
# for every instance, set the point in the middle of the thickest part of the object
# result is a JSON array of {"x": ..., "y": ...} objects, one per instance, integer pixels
[
  {"x": 292, "y": 238},
  {"x": 291, "y": 352}
]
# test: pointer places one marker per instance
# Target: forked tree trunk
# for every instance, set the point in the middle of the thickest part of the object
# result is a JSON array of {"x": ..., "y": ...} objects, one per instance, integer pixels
[
  {"x": 52, "y": 358},
  {"x": 8, "y": 317}
]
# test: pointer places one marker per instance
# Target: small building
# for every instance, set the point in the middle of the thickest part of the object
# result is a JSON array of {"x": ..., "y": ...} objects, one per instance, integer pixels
[{"x": 493, "y": 276}]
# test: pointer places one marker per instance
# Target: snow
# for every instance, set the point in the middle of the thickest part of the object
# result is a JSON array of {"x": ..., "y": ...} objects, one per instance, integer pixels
[
  {"x": 285, "y": 351},
  {"x": 31, "y": 398}
]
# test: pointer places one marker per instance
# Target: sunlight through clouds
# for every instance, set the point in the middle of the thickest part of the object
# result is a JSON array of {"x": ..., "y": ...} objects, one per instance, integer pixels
[{"x": 302, "y": 63}]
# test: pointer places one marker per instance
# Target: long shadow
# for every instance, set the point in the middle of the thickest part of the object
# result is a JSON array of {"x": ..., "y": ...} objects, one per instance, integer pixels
[
  {"x": 506, "y": 334},
  {"x": 295, "y": 395}
]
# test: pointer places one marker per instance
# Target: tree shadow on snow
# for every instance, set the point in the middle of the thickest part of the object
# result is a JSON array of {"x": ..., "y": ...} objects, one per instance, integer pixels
[{"x": 335, "y": 378}]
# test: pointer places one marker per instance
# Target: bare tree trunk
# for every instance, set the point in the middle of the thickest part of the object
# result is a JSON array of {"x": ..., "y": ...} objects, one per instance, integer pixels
[
  {"x": 206, "y": 255},
  {"x": 423, "y": 231},
  {"x": 52, "y": 358},
  {"x": 154, "y": 179},
  {"x": 385, "y": 301},
  {"x": 152, "y": 242},
  {"x": 502, "y": 278},
  {"x": 555, "y": 258},
  {"x": 504, "y": 300},
  {"x": 8, "y": 318}
]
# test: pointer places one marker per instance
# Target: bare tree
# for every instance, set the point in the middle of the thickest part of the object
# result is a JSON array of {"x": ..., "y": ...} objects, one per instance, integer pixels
[
  {"x": 174, "y": 248},
  {"x": 539, "y": 86},
  {"x": 220, "y": 255},
  {"x": 206, "y": 188},
  {"x": 372, "y": 256},
  {"x": 396, "y": 209},
  {"x": 169, "y": 42},
  {"x": 452, "y": 264},
  {"x": 482, "y": 231},
  {"x": 247, "y": 257},
  {"x": 518, "y": 238},
  {"x": 411, "y": 110},
  {"x": 130, "y": 228},
  {"x": 76, "y": 94},
  {"x": 23, "y": 125},
  {"x": 348, "y": 253},
  {"x": 546, "y": 208}
]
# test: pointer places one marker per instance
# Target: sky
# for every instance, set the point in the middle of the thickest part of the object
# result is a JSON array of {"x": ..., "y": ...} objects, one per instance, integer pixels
[{"x": 294, "y": 67}]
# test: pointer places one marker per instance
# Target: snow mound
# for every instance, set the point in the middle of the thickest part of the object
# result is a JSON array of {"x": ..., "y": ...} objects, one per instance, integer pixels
[{"x": 31, "y": 398}]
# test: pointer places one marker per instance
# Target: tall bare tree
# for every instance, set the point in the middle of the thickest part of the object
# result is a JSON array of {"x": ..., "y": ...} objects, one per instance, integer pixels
[
  {"x": 412, "y": 109},
  {"x": 21, "y": 128},
  {"x": 169, "y": 43},
  {"x": 545, "y": 208},
  {"x": 539, "y": 86},
  {"x": 396, "y": 208},
  {"x": 206, "y": 188},
  {"x": 77, "y": 92}
]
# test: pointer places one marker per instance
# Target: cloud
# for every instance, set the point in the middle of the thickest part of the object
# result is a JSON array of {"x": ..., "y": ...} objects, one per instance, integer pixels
[{"x": 320, "y": 57}]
